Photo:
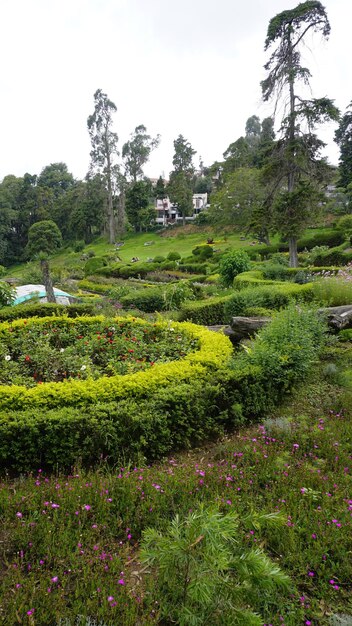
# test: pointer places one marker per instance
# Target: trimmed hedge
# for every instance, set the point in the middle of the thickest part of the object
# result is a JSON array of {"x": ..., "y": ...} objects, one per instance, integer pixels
[
  {"x": 206, "y": 312},
  {"x": 215, "y": 351},
  {"x": 44, "y": 309},
  {"x": 219, "y": 310},
  {"x": 146, "y": 300}
]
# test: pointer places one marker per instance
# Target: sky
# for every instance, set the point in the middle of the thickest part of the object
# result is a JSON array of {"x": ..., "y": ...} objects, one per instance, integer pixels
[{"x": 190, "y": 67}]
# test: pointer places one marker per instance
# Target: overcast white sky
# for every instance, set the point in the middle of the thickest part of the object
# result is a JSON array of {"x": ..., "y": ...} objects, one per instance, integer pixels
[{"x": 176, "y": 66}]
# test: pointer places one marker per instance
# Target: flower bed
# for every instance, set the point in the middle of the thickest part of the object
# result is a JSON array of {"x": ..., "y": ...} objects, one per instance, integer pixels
[
  {"x": 54, "y": 350},
  {"x": 95, "y": 358}
]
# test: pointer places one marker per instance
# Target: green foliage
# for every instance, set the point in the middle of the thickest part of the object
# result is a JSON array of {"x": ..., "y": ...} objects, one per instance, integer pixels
[
  {"x": 204, "y": 572},
  {"x": 147, "y": 300},
  {"x": 93, "y": 264},
  {"x": 194, "y": 268},
  {"x": 203, "y": 252},
  {"x": 159, "y": 259},
  {"x": 345, "y": 225},
  {"x": 343, "y": 137},
  {"x": 270, "y": 297},
  {"x": 174, "y": 256},
  {"x": 287, "y": 348},
  {"x": 79, "y": 245},
  {"x": 206, "y": 312},
  {"x": 27, "y": 310},
  {"x": 7, "y": 294},
  {"x": 332, "y": 291},
  {"x": 43, "y": 237},
  {"x": 231, "y": 264}
]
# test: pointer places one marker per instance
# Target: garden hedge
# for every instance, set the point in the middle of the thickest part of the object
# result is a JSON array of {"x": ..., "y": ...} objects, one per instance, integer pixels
[
  {"x": 219, "y": 310},
  {"x": 175, "y": 409},
  {"x": 215, "y": 350},
  {"x": 43, "y": 309}
]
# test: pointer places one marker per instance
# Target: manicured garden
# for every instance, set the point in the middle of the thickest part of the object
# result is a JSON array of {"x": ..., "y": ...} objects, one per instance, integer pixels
[{"x": 152, "y": 472}]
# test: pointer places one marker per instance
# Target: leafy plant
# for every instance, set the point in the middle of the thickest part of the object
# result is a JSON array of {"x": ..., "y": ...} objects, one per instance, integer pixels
[
  {"x": 204, "y": 571},
  {"x": 231, "y": 264}
]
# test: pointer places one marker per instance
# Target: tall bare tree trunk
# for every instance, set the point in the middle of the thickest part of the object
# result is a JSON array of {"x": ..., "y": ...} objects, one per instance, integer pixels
[
  {"x": 121, "y": 213},
  {"x": 48, "y": 283},
  {"x": 291, "y": 174}
]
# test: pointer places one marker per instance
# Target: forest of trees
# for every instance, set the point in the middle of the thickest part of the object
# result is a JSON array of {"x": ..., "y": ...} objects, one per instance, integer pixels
[{"x": 271, "y": 179}]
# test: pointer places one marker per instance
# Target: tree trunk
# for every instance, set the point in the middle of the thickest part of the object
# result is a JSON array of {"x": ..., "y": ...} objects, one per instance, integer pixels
[
  {"x": 292, "y": 245},
  {"x": 110, "y": 207},
  {"x": 120, "y": 227},
  {"x": 50, "y": 296},
  {"x": 291, "y": 173}
]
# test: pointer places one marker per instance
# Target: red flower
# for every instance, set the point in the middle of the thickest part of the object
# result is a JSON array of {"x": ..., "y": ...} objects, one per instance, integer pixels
[{"x": 27, "y": 358}]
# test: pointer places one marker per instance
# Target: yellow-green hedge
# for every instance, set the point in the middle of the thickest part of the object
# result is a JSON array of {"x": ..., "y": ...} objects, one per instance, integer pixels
[{"x": 214, "y": 351}]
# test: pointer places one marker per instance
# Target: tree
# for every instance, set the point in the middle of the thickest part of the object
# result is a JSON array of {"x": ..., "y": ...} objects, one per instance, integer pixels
[
  {"x": 180, "y": 187},
  {"x": 206, "y": 573},
  {"x": 104, "y": 149},
  {"x": 160, "y": 190},
  {"x": 241, "y": 201},
  {"x": 136, "y": 152},
  {"x": 43, "y": 239},
  {"x": 57, "y": 178},
  {"x": 297, "y": 166},
  {"x": 139, "y": 204},
  {"x": 343, "y": 138}
]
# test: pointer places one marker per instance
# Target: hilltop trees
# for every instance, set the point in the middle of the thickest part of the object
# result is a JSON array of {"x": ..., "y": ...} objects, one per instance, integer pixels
[
  {"x": 136, "y": 152},
  {"x": 296, "y": 169}
]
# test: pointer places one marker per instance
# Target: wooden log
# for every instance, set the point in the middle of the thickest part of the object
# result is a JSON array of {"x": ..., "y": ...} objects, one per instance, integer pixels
[{"x": 244, "y": 327}]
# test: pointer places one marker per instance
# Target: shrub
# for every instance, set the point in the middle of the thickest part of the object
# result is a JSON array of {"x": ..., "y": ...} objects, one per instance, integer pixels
[
  {"x": 328, "y": 237},
  {"x": 159, "y": 259},
  {"x": 78, "y": 246},
  {"x": 174, "y": 256},
  {"x": 286, "y": 349},
  {"x": 38, "y": 309},
  {"x": 279, "y": 259},
  {"x": 93, "y": 264},
  {"x": 147, "y": 300},
  {"x": 207, "y": 312},
  {"x": 194, "y": 268},
  {"x": 7, "y": 294},
  {"x": 204, "y": 252},
  {"x": 276, "y": 272},
  {"x": 332, "y": 291},
  {"x": 345, "y": 225},
  {"x": 168, "y": 265},
  {"x": 2, "y": 270},
  {"x": 269, "y": 297},
  {"x": 231, "y": 264}
]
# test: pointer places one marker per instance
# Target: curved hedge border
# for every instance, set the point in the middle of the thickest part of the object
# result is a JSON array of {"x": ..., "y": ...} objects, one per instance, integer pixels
[{"x": 215, "y": 351}]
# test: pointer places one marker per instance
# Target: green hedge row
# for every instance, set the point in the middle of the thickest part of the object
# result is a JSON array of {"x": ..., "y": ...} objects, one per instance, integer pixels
[
  {"x": 219, "y": 310},
  {"x": 44, "y": 309},
  {"x": 328, "y": 237}
]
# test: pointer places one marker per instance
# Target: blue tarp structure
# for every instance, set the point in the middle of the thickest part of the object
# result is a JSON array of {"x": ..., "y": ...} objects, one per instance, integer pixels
[{"x": 28, "y": 292}]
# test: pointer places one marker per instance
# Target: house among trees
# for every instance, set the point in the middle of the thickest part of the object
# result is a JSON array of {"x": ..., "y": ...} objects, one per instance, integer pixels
[{"x": 168, "y": 213}]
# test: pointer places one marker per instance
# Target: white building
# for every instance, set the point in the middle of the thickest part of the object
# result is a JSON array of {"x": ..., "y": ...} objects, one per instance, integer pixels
[{"x": 167, "y": 213}]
